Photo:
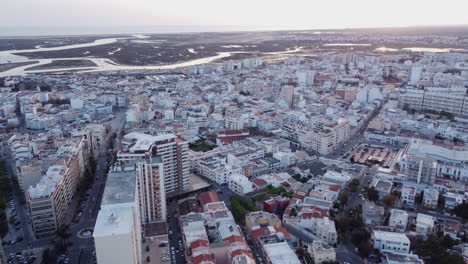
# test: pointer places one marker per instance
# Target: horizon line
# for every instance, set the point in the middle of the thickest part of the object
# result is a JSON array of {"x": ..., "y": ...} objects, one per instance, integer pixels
[{"x": 238, "y": 29}]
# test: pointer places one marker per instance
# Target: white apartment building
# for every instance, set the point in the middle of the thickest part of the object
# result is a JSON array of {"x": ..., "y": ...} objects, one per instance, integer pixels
[
  {"x": 398, "y": 219},
  {"x": 240, "y": 184},
  {"x": 423, "y": 160},
  {"x": 173, "y": 151},
  {"x": 424, "y": 224},
  {"x": 321, "y": 253},
  {"x": 327, "y": 136},
  {"x": 117, "y": 232},
  {"x": 430, "y": 198},
  {"x": 451, "y": 100},
  {"x": 287, "y": 94},
  {"x": 390, "y": 241},
  {"x": 408, "y": 195},
  {"x": 48, "y": 200},
  {"x": 234, "y": 122}
]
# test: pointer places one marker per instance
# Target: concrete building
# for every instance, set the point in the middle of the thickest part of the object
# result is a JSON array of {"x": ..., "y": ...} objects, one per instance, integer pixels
[
  {"x": 47, "y": 202},
  {"x": 151, "y": 190},
  {"x": 450, "y": 100},
  {"x": 29, "y": 174},
  {"x": 452, "y": 200},
  {"x": 256, "y": 220},
  {"x": 430, "y": 198},
  {"x": 117, "y": 232},
  {"x": 390, "y": 241},
  {"x": 279, "y": 253},
  {"x": 234, "y": 123},
  {"x": 408, "y": 195},
  {"x": 326, "y": 136},
  {"x": 95, "y": 134},
  {"x": 305, "y": 78},
  {"x": 423, "y": 160},
  {"x": 398, "y": 219},
  {"x": 393, "y": 258},
  {"x": 321, "y": 253},
  {"x": 287, "y": 94},
  {"x": 240, "y": 184},
  {"x": 372, "y": 214},
  {"x": 424, "y": 224},
  {"x": 49, "y": 199},
  {"x": 173, "y": 151},
  {"x": 415, "y": 74}
]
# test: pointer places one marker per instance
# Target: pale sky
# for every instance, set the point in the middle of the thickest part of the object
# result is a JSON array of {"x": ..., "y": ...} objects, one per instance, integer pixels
[{"x": 313, "y": 14}]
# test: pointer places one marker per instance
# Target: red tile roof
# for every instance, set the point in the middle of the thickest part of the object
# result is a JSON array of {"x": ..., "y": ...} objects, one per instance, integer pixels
[
  {"x": 233, "y": 132},
  {"x": 259, "y": 182},
  {"x": 203, "y": 258},
  {"x": 199, "y": 243},
  {"x": 234, "y": 239},
  {"x": 240, "y": 252},
  {"x": 208, "y": 197},
  {"x": 266, "y": 231}
]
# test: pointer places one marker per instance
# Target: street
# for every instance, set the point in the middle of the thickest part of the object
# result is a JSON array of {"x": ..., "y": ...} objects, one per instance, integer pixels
[{"x": 81, "y": 249}]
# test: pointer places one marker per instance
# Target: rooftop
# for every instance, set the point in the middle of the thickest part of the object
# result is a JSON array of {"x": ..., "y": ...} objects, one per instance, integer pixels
[
  {"x": 48, "y": 182},
  {"x": 120, "y": 185},
  {"x": 281, "y": 253},
  {"x": 114, "y": 219}
]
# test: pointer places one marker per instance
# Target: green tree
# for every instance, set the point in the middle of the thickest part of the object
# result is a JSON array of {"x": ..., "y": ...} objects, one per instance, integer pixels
[
  {"x": 372, "y": 194},
  {"x": 389, "y": 200},
  {"x": 344, "y": 197},
  {"x": 461, "y": 210},
  {"x": 353, "y": 185}
]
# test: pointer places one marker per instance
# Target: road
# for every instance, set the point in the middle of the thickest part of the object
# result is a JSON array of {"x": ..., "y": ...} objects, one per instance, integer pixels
[
  {"x": 81, "y": 249},
  {"x": 29, "y": 243},
  {"x": 177, "y": 249}
]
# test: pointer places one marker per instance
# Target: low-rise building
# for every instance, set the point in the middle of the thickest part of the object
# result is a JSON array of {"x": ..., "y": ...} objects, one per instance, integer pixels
[
  {"x": 321, "y": 253},
  {"x": 398, "y": 219},
  {"x": 452, "y": 200},
  {"x": 430, "y": 198},
  {"x": 390, "y": 241},
  {"x": 255, "y": 220},
  {"x": 279, "y": 253},
  {"x": 408, "y": 195},
  {"x": 240, "y": 184},
  {"x": 393, "y": 258},
  {"x": 372, "y": 214},
  {"x": 424, "y": 224}
]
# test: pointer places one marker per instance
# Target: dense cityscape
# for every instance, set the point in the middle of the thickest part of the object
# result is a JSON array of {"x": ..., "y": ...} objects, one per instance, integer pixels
[{"x": 342, "y": 152}]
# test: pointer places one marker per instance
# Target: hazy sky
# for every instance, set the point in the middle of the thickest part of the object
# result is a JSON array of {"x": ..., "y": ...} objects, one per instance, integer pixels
[{"x": 292, "y": 13}]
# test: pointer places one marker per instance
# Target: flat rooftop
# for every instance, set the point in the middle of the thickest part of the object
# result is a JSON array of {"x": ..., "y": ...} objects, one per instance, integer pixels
[
  {"x": 280, "y": 253},
  {"x": 114, "y": 219},
  {"x": 120, "y": 184},
  {"x": 48, "y": 182},
  {"x": 155, "y": 229},
  {"x": 143, "y": 141}
]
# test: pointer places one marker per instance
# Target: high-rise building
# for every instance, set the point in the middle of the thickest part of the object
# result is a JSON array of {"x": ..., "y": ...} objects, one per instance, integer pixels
[
  {"x": 117, "y": 232},
  {"x": 173, "y": 151},
  {"x": 151, "y": 190},
  {"x": 423, "y": 160},
  {"x": 95, "y": 134},
  {"x": 451, "y": 100},
  {"x": 305, "y": 78},
  {"x": 415, "y": 74},
  {"x": 49, "y": 199},
  {"x": 287, "y": 94}
]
